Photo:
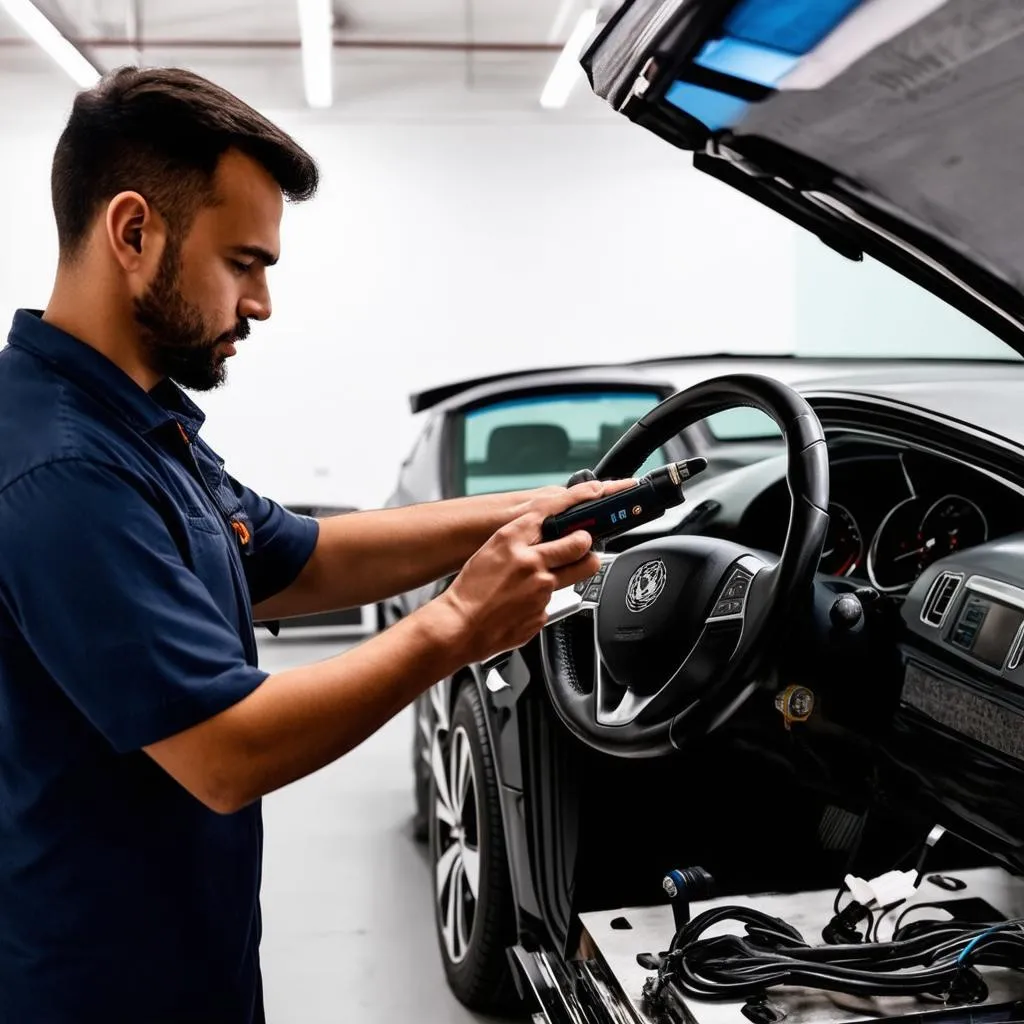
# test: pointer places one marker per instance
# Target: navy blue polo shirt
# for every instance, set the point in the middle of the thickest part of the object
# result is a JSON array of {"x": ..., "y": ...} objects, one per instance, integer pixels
[{"x": 129, "y": 565}]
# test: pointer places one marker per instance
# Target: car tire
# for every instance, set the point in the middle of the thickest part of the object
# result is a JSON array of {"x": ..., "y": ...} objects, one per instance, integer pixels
[
  {"x": 467, "y": 846},
  {"x": 424, "y": 724}
]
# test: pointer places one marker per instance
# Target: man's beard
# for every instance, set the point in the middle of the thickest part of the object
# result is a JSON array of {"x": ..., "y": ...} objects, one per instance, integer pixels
[{"x": 177, "y": 340}]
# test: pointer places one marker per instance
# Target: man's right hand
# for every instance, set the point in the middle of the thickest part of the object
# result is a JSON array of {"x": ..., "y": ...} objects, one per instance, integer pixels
[{"x": 499, "y": 599}]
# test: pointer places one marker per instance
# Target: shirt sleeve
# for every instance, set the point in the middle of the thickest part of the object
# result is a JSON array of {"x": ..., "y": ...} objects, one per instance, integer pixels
[
  {"x": 91, "y": 575},
  {"x": 282, "y": 543}
]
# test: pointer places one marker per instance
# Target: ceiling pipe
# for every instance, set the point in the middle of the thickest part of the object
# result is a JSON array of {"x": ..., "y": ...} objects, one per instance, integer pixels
[
  {"x": 133, "y": 29},
  {"x": 469, "y": 17},
  {"x": 426, "y": 46}
]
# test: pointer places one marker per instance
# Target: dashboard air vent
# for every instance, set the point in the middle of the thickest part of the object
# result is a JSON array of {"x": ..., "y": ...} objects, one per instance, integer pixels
[{"x": 940, "y": 598}]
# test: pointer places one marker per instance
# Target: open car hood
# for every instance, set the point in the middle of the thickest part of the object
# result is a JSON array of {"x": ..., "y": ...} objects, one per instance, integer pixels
[{"x": 893, "y": 128}]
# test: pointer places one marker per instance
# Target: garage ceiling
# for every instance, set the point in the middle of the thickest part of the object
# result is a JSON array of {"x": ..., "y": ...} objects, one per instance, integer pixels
[
  {"x": 498, "y": 49},
  {"x": 524, "y": 21}
]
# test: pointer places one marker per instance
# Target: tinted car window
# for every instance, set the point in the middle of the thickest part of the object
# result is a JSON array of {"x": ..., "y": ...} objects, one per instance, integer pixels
[
  {"x": 534, "y": 441},
  {"x": 742, "y": 424}
]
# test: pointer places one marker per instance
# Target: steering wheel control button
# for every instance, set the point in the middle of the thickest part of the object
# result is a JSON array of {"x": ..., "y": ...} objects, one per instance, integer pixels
[
  {"x": 733, "y": 598},
  {"x": 593, "y": 592},
  {"x": 795, "y": 704},
  {"x": 590, "y": 582},
  {"x": 724, "y": 608}
]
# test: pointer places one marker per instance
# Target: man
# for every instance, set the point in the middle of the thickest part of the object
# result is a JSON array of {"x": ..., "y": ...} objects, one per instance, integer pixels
[{"x": 137, "y": 733}]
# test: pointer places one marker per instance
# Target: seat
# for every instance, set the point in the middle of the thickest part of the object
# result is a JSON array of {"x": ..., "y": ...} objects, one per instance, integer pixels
[
  {"x": 521, "y": 448},
  {"x": 610, "y": 433}
]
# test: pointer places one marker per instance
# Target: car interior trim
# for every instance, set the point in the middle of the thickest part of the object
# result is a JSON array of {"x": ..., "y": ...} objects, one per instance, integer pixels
[
  {"x": 925, "y": 450},
  {"x": 997, "y": 589},
  {"x": 928, "y": 607}
]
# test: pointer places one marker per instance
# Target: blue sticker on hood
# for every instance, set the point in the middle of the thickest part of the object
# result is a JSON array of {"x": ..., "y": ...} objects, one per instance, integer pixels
[
  {"x": 792, "y": 26},
  {"x": 747, "y": 61},
  {"x": 714, "y": 109},
  {"x": 760, "y": 43}
]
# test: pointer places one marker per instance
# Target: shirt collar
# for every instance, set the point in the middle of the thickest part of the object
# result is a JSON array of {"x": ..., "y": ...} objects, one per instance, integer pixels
[{"x": 93, "y": 371}]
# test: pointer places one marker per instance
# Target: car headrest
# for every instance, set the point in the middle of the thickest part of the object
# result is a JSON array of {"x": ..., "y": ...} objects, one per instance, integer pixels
[
  {"x": 527, "y": 448},
  {"x": 611, "y": 432}
]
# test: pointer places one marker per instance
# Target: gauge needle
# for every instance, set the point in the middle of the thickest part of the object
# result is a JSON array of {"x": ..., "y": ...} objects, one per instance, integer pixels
[{"x": 927, "y": 546}]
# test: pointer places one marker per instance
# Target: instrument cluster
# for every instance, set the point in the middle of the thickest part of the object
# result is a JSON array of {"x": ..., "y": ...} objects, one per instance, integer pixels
[
  {"x": 918, "y": 532},
  {"x": 914, "y": 533},
  {"x": 894, "y": 513}
]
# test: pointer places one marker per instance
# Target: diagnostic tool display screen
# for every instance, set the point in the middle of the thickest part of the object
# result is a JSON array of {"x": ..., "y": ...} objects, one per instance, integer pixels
[{"x": 987, "y": 629}]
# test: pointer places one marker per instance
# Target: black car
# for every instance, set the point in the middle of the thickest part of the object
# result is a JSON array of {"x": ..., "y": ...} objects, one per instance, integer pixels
[{"x": 809, "y": 679}]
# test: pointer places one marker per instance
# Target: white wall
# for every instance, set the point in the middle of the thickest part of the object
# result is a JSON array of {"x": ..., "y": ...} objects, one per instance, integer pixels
[
  {"x": 866, "y": 309},
  {"x": 444, "y": 249}
]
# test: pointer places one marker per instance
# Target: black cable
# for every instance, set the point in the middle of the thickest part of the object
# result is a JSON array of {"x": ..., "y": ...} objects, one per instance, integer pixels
[
  {"x": 839, "y": 896},
  {"x": 873, "y": 935},
  {"x": 912, "y": 907},
  {"x": 844, "y": 926},
  {"x": 927, "y": 906},
  {"x": 934, "y": 957}
]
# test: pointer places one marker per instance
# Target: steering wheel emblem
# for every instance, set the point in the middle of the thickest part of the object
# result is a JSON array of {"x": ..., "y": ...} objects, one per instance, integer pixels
[{"x": 645, "y": 586}]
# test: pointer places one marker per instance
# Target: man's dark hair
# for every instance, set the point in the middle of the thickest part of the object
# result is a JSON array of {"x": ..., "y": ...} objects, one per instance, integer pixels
[{"x": 161, "y": 132}]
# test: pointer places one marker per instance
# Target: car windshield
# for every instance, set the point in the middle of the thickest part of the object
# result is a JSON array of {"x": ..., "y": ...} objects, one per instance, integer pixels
[
  {"x": 539, "y": 440},
  {"x": 864, "y": 309}
]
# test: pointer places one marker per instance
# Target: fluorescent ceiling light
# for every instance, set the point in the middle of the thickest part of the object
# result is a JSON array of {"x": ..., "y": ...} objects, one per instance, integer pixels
[
  {"x": 565, "y": 11},
  {"x": 48, "y": 36},
  {"x": 316, "y": 29},
  {"x": 567, "y": 71}
]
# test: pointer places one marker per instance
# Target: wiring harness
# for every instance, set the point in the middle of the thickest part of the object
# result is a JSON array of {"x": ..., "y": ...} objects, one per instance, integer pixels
[{"x": 936, "y": 958}]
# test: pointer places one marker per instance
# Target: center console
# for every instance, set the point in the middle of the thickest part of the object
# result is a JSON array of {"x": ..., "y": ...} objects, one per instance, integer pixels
[
  {"x": 988, "y": 624},
  {"x": 954, "y": 750}
]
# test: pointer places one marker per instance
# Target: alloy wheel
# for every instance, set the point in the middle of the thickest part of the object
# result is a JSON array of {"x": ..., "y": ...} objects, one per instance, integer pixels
[{"x": 456, "y": 841}]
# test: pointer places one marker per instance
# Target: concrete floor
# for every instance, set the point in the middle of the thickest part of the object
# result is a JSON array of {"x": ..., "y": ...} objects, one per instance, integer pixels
[{"x": 348, "y": 923}]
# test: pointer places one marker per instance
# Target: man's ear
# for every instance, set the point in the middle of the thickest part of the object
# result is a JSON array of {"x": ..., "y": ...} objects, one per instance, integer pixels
[{"x": 136, "y": 234}]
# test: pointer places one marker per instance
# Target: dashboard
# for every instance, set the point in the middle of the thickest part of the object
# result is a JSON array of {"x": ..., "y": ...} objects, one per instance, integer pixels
[
  {"x": 893, "y": 513},
  {"x": 920, "y": 702},
  {"x": 934, "y": 674}
]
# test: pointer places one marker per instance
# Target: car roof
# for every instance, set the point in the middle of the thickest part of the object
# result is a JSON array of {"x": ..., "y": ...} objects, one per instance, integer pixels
[
  {"x": 463, "y": 393},
  {"x": 668, "y": 374}
]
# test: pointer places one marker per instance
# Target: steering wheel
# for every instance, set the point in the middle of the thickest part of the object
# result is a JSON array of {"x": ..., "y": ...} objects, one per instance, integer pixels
[{"x": 677, "y": 629}]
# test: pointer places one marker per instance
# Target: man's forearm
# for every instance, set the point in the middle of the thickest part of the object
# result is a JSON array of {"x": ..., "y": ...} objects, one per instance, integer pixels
[
  {"x": 301, "y": 719},
  {"x": 363, "y": 557}
]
